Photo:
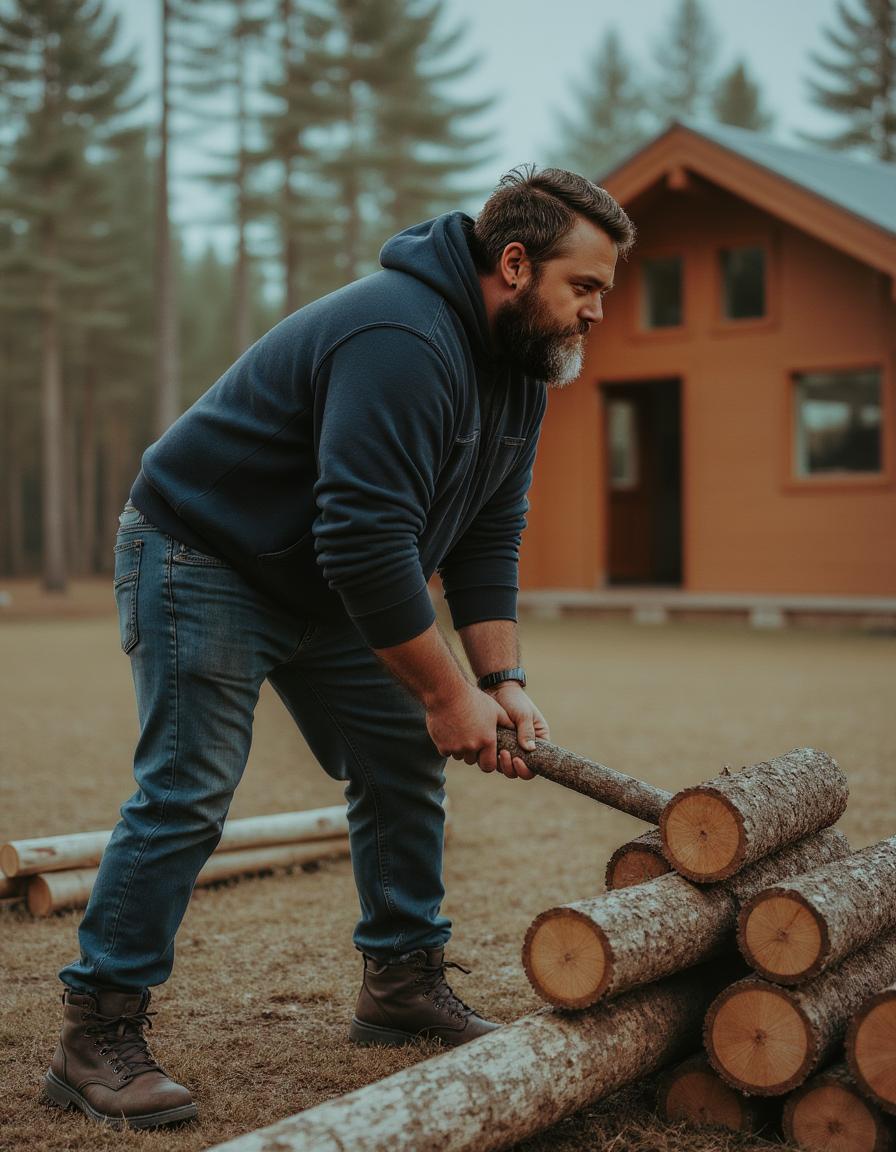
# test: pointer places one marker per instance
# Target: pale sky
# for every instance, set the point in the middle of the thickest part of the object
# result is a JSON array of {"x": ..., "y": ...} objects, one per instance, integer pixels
[{"x": 532, "y": 49}]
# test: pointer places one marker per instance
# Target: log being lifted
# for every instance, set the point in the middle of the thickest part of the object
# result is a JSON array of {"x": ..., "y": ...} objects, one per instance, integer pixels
[
  {"x": 871, "y": 1047},
  {"x": 57, "y": 891},
  {"x": 507, "y": 1085},
  {"x": 695, "y": 1093},
  {"x": 636, "y": 861},
  {"x": 806, "y": 924},
  {"x": 767, "y": 1040},
  {"x": 578, "y": 953},
  {"x": 713, "y": 830},
  {"x": 829, "y": 1114},
  {"x": 616, "y": 790},
  {"x": 85, "y": 849}
]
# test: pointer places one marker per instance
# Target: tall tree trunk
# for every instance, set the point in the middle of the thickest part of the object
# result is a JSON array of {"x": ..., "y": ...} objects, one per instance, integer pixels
[
  {"x": 52, "y": 503},
  {"x": 72, "y": 488},
  {"x": 115, "y": 482},
  {"x": 167, "y": 376},
  {"x": 290, "y": 245},
  {"x": 14, "y": 493},
  {"x": 243, "y": 326},
  {"x": 88, "y": 470}
]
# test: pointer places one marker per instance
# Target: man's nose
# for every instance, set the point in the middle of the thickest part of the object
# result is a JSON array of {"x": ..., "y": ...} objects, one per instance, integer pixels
[{"x": 593, "y": 311}]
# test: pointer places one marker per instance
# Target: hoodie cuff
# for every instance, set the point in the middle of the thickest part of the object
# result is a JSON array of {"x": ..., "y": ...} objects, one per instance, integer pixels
[
  {"x": 401, "y": 622},
  {"x": 473, "y": 605}
]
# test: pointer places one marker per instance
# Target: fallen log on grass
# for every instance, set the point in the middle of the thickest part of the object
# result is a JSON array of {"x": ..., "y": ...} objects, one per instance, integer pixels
[
  {"x": 766, "y": 1039},
  {"x": 871, "y": 1047},
  {"x": 713, "y": 830},
  {"x": 694, "y": 1092},
  {"x": 578, "y": 953},
  {"x": 57, "y": 891},
  {"x": 829, "y": 1113},
  {"x": 85, "y": 849},
  {"x": 798, "y": 928},
  {"x": 507, "y": 1085}
]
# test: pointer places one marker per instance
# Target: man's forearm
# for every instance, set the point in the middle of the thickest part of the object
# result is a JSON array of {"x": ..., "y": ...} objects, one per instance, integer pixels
[
  {"x": 426, "y": 665},
  {"x": 491, "y": 645}
]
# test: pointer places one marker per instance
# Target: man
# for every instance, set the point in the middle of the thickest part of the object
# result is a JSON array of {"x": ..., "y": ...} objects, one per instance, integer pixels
[{"x": 285, "y": 528}]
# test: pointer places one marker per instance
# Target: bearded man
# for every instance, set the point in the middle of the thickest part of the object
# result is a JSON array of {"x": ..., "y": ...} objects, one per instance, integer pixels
[{"x": 285, "y": 528}]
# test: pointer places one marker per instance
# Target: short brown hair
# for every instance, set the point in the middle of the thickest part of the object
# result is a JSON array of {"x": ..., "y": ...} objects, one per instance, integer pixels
[{"x": 539, "y": 209}]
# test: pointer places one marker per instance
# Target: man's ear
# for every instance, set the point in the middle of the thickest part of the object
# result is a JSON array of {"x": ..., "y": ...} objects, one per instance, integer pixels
[{"x": 514, "y": 266}]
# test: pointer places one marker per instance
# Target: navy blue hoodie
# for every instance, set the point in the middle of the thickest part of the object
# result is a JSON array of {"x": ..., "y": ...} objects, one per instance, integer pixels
[{"x": 365, "y": 442}]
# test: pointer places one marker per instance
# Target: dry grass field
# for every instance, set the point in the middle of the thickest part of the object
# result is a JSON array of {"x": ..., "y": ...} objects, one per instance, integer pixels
[{"x": 254, "y": 1018}]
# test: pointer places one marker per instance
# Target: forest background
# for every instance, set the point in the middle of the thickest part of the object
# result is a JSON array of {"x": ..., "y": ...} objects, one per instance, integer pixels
[{"x": 160, "y": 210}]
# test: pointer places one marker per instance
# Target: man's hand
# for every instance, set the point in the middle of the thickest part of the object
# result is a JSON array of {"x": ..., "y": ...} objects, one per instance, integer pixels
[
  {"x": 528, "y": 722},
  {"x": 464, "y": 724}
]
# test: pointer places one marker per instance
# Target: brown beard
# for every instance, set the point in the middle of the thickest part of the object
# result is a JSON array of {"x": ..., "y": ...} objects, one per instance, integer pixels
[{"x": 529, "y": 339}]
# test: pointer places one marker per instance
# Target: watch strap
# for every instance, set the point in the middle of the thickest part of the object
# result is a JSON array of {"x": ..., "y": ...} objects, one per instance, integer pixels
[{"x": 492, "y": 679}]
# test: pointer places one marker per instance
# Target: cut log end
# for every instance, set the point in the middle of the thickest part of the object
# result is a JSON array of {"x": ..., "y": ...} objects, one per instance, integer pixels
[
  {"x": 38, "y": 897},
  {"x": 758, "y": 1040},
  {"x": 694, "y": 1093},
  {"x": 634, "y": 864},
  {"x": 9, "y": 860},
  {"x": 871, "y": 1048},
  {"x": 702, "y": 835},
  {"x": 782, "y": 937},
  {"x": 829, "y": 1115},
  {"x": 566, "y": 958}
]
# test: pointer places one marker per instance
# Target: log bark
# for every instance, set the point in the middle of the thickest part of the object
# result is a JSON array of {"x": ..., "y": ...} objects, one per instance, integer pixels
[
  {"x": 694, "y": 1092},
  {"x": 85, "y": 849},
  {"x": 713, "y": 830},
  {"x": 766, "y": 1039},
  {"x": 871, "y": 1048},
  {"x": 829, "y": 1113},
  {"x": 800, "y": 927},
  {"x": 57, "y": 891},
  {"x": 636, "y": 861},
  {"x": 507, "y": 1085},
  {"x": 616, "y": 790}
]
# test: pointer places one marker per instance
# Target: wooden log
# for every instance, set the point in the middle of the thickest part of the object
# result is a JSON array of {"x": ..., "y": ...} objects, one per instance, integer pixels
[
  {"x": 579, "y": 953},
  {"x": 871, "y": 1047},
  {"x": 616, "y": 790},
  {"x": 713, "y": 830},
  {"x": 57, "y": 891},
  {"x": 11, "y": 891},
  {"x": 507, "y": 1085},
  {"x": 694, "y": 1092},
  {"x": 806, "y": 924},
  {"x": 767, "y": 1039},
  {"x": 829, "y": 1114},
  {"x": 636, "y": 861},
  {"x": 85, "y": 849}
]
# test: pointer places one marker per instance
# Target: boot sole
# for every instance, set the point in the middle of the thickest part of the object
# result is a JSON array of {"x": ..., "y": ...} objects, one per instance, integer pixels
[
  {"x": 58, "y": 1093},
  {"x": 367, "y": 1034}
]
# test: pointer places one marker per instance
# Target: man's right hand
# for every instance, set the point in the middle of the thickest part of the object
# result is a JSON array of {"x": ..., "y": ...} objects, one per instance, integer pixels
[{"x": 463, "y": 724}]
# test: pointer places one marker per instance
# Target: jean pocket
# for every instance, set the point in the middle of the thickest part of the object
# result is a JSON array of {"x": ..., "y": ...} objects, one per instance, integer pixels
[
  {"x": 131, "y": 517},
  {"x": 127, "y": 578},
  {"x": 183, "y": 554}
]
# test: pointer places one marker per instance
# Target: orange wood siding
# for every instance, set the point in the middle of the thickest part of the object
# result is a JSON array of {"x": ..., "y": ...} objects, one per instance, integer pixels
[{"x": 748, "y": 525}]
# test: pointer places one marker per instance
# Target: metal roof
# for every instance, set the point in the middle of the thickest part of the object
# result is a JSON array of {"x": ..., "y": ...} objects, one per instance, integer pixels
[{"x": 866, "y": 188}]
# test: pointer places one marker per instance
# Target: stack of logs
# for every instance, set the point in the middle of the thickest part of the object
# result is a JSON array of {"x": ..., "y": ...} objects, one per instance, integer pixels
[
  {"x": 816, "y": 922},
  {"x": 58, "y": 872}
]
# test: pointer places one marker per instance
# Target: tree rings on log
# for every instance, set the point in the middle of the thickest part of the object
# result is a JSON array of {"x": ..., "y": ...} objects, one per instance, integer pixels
[
  {"x": 639, "y": 860},
  {"x": 829, "y": 1114},
  {"x": 871, "y": 1048},
  {"x": 793, "y": 931},
  {"x": 713, "y": 830},
  {"x": 695, "y": 1093},
  {"x": 766, "y": 1039}
]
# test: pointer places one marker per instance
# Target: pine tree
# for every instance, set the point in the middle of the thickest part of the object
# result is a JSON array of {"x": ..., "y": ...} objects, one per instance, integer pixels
[
  {"x": 685, "y": 57},
  {"x": 857, "y": 79},
  {"x": 69, "y": 90},
  {"x": 737, "y": 101},
  {"x": 612, "y": 118}
]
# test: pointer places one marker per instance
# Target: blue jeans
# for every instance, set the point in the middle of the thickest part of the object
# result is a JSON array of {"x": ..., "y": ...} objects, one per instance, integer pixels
[{"x": 201, "y": 641}]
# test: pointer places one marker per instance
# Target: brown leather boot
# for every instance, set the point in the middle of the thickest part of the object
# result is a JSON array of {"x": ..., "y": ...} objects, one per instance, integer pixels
[
  {"x": 103, "y": 1065},
  {"x": 409, "y": 999}
]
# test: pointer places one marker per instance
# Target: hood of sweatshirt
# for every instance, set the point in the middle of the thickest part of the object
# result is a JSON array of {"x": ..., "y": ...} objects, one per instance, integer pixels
[{"x": 437, "y": 253}]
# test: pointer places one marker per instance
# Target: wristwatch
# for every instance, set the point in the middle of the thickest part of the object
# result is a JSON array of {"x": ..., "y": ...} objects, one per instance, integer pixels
[{"x": 495, "y": 678}]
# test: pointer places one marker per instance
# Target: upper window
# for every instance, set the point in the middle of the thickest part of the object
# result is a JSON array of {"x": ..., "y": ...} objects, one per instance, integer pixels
[
  {"x": 662, "y": 292},
  {"x": 743, "y": 283},
  {"x": 838, "y": 422}
]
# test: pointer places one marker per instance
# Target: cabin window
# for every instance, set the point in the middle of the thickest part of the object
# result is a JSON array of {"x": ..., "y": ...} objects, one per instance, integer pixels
[
  {"x": 743, "y": 283},
  {"x": 662, "y": 296},
  {"x": 838, "y": 422},
  {"x": 622, "y": 437}
]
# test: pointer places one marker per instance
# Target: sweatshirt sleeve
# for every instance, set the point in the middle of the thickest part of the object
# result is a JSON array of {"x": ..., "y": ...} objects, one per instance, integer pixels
[
  {"x": 479, "y": 574},
  {"x": 383, "y": 417}
]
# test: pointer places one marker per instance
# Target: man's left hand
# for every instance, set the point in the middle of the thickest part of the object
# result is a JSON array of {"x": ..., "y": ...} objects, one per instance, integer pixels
[{"x": 529, "y": 724}]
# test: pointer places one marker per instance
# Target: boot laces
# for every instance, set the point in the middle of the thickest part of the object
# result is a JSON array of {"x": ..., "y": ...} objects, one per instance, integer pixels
[
  {"x": 122, "y": 1036},
  {"x": 435, "y": 985}
]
